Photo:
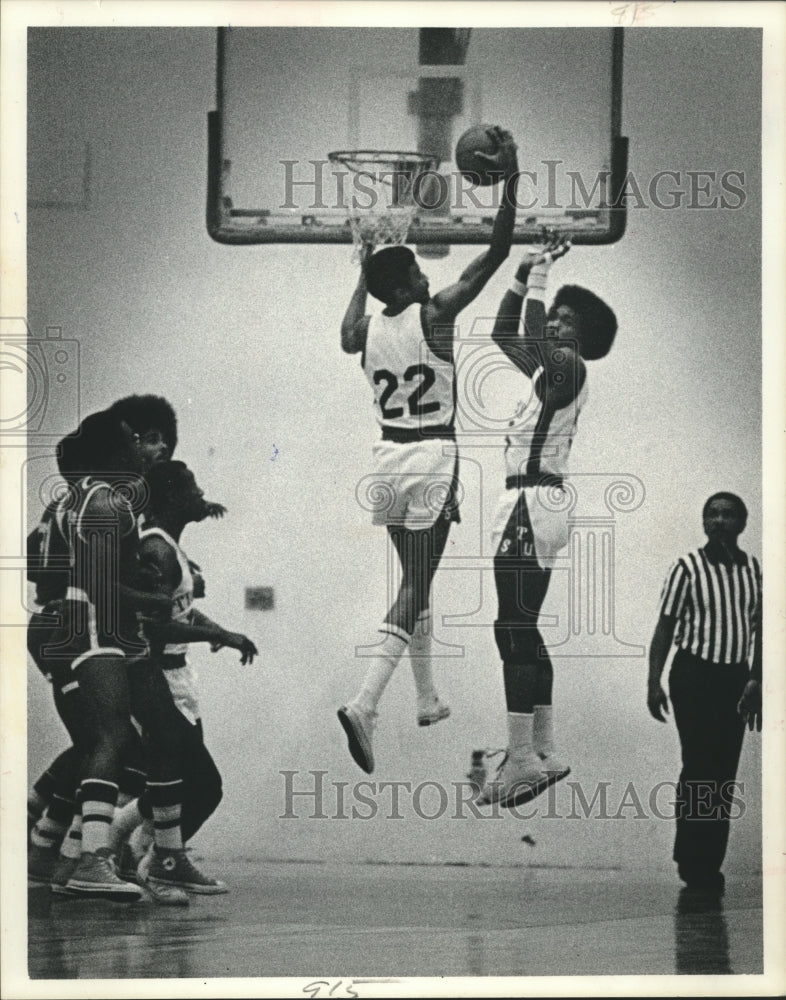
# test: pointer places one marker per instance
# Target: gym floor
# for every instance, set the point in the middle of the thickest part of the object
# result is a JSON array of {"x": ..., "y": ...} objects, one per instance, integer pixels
[{"x": 322, "y": 921}]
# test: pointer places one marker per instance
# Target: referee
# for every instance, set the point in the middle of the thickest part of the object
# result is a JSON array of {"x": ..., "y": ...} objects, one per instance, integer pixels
[{"x": 710, "y": 610}]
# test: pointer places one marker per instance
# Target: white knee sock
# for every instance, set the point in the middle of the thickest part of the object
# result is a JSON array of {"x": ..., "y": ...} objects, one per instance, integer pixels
[
  {"x": 394, "y": 642},
  {"x": 543, "y": 735},
  {"x": 520, "y": 726}
]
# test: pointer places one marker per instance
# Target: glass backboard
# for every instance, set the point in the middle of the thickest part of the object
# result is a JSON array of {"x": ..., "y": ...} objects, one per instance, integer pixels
[{"x": 286, "y": 97}]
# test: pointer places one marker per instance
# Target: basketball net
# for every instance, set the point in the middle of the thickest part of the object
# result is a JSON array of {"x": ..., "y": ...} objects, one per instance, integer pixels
[{"x": 382, "y": 212}]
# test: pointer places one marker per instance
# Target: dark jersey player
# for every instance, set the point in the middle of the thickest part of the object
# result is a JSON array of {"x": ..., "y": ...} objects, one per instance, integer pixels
[{"x": 52, "y": 801}]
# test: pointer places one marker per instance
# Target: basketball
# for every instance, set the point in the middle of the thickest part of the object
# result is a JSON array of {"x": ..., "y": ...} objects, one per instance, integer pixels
[{"x": 479, "y": 138}]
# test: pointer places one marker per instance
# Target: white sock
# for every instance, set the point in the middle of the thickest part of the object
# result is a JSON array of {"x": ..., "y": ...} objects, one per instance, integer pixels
[
  {"x": 71, "y": 846},
  {"x": 393, "y": 644},
  {"x": 420, "y": 659},
  {"x": 126, "y": 820},
  {"x": 520, "y": 728},
  {"x": 542, "y": 732}
]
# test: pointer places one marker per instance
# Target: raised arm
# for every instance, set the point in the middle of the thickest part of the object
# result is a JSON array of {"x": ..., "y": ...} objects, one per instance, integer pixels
[
  {"x": 563, "y": 369},
  {"x": 445, "y": 306},
  {"x": 354, "y": 326}
]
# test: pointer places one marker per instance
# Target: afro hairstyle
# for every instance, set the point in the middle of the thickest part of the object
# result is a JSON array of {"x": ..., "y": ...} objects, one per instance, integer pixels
[
  {"x": 597, "y": 321},
  {"x": 92, "y": 447},
  {"x": 143, "y": 413},
  {"x": 387, "y": 270}
]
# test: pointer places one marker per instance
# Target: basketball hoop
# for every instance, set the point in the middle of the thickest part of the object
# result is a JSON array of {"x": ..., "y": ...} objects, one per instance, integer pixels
[{"x": 391, "y": 191}]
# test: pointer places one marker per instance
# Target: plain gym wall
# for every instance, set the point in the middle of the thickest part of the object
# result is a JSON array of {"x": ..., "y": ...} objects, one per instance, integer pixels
[{"x": 277, "y": 425}]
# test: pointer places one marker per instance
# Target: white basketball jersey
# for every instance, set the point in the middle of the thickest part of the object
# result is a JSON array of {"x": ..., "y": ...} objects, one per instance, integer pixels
[
  {"x": 183, "y": 597},
  {"x": 412, "y": 387},
  {"x": 539, "y": 437}
]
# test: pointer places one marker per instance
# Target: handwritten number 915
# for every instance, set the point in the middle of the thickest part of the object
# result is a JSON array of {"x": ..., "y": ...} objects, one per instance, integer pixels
[{"x": 315, "y": 989}]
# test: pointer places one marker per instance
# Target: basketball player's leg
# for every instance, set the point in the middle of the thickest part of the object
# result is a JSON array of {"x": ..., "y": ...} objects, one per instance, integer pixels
[
  {"x": 167, "y": 867},
  {"x": 61, "y": 771},
  {"x": 522, "y": 583},
  {"x": 203, "y": 788},
  {"x": 60, "y": 782},
  {"x": 418, "y": 551},
  {"x": 104, "y": 695},
  {"x": 430, "y": 709}
]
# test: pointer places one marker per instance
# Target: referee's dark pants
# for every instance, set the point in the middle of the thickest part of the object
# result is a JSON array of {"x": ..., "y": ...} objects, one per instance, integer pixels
[{"x": 704, "y": 698}]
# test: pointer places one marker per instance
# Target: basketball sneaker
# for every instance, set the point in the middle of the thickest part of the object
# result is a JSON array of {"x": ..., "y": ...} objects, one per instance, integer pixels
[
  {"x": 175, "y": 869},
  {"x": 164, "y": 895},
  {"x": 433, "y": 712},
  {"x": 95, "y": 877},
  {"x": 518, "y": 780},
  {"x": 64, "y": 869},
  {"x": 41, "y": 863},
  {"x": 552, "y": 766},
  {"x": 477, "y": 772},
  {"x": 359, "y": 726}
]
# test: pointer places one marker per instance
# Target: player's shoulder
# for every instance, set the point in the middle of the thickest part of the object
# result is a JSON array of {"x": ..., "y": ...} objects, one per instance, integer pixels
[
  {"x": 99, "y": 498},
  {"x": 563, "y": 375},
  {"x": 153, "y": 543},
  {"x": 156, "y": 550}
]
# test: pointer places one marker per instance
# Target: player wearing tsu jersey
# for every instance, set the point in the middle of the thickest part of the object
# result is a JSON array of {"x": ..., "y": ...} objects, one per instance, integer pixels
[
  {"x": 531, "y": 524},
  {"x": 407, "y": 356},
  {"x": 175, "y": 500}
]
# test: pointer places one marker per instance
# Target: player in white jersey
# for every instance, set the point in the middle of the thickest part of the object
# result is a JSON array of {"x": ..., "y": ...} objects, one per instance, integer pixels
[
  {"x": 531, "y": 524},
  {"x": 175, "y": 500},
  {"x": 407, "y": 356}
]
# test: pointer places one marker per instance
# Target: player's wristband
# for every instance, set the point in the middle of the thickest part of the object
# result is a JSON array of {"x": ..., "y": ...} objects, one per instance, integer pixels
[
  {"x": 518, "y": 288},
  {"x": 536, "y": 282}
]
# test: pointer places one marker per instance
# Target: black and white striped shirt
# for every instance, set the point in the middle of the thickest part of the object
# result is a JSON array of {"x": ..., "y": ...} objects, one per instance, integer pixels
[{"x": 717, "y": 604}]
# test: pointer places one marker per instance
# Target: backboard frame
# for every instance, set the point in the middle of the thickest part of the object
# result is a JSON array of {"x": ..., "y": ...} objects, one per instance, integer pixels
[{"x": 236, "y": 226}]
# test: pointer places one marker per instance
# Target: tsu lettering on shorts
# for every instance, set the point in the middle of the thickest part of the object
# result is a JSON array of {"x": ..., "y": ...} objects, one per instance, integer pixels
[{"x": 578, "y": 526}]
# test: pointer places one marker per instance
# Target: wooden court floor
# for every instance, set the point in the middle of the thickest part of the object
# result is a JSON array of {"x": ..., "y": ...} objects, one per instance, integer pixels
[{"x": 321, "y": 921}]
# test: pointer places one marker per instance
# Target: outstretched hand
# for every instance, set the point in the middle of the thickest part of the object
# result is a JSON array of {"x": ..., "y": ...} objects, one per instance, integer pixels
[
  {"x": 505, "y": 160},
  {"x": 749, "y": 705},
  {"x": 215, "y": 510},
  {"x": 240, "y": 642},
  {"x": 554, "y": 247}
]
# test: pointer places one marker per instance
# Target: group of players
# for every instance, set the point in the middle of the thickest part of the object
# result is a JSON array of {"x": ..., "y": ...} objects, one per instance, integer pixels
[
  {"x": 116, "y": 591},
  {"x": 407, "y": 355},
  {"x": 113, "y": 813}
]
